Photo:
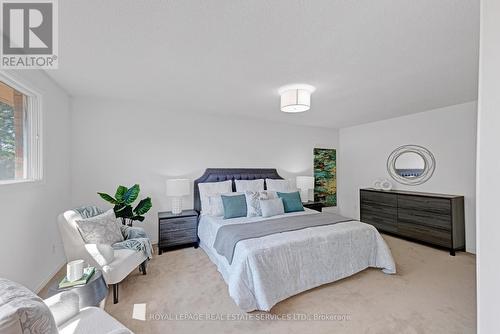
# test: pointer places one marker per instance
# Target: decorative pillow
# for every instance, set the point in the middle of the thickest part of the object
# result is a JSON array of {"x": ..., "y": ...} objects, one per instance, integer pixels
[
  {"x": 212, "y": 188},
  {"x": 252, "y": 199},
  {"x": 280, "y": 185},
  {"x": 271, "y": 194},
  {"x": 271, "y": 207},
  {"x": 234, "y": 206},
  {"x": 216, "y": 207},
  {"x": 101, "y": 229},
  {"x": 291, "y": 201},
  {"x": 249, "y": 185},
  {"x": 18, "y": 304}
]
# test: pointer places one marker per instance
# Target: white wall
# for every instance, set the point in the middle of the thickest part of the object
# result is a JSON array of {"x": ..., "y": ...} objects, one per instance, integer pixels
[
  {"x": 30, "y": 247},
  {"x": 449, "y": 133},
  {"x": 488, "y": 169},
  {"x": 119, "y": 142}
]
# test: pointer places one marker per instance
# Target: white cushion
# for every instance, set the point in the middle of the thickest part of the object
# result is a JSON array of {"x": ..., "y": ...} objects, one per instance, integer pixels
[
  {"x": 126, "y": 260},
  {"x": 210, "y": 189},
  {"x": 101, "y": 229},
  {"x": 272, "y": 207},
  {"x": 249, "y": 185},
  {"x": 102, "y": 254},
  {"x": 92, "y": 320},
  {"x": 280, "y": 185},
  {"x": 253, "y": 201}
]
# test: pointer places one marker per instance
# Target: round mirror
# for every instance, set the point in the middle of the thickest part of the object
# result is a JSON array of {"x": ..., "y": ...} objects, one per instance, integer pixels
[{"x": 411, "y": 164}]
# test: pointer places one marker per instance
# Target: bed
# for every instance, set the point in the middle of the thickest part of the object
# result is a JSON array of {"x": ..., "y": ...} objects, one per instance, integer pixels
[{"x": 269, "y": 269}]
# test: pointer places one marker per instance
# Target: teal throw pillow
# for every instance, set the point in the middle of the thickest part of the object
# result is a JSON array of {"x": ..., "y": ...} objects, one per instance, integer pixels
[
  {"x": 234, "y": 206},
  {"x": 291, "y": 201}
]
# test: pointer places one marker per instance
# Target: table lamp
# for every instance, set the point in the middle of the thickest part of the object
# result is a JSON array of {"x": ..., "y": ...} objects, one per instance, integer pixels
[
  {"x": 305, "y": 184},
  {"x": 177, "y": 188}
]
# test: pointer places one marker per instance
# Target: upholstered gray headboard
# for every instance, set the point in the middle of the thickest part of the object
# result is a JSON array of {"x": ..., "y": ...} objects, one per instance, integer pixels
[{"x": 224, "y": 174}]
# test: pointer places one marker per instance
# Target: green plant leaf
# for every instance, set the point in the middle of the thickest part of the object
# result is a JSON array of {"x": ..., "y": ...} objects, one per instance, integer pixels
[
  {"x": 131, "y": 194},
  {"x": 107, "y": 198},
  {"x": 117, "y": 208},
  {"x": 139, "y": 218},
  {"x": 120, "y": 192},
  {"x": 143, "y": 206},
  {"x": 123, "y": 211}
]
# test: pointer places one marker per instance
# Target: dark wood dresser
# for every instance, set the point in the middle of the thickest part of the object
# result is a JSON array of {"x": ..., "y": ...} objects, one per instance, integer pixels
[
  {"x": 433, "y": 219},
  {"x": 175, "y": 231}
]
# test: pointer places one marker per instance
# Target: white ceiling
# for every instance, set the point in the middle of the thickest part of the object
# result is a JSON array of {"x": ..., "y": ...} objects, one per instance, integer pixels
[{"x": 369, "y": 60}]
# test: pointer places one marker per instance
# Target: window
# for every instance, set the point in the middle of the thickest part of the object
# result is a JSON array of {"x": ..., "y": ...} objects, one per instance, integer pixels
[{"x": 19, "y": 134}]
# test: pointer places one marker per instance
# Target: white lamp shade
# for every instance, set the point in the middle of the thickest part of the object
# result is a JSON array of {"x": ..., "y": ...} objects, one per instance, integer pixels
[
  {"x": 305, "y": 182},
  {"x": 178, "y": 187}
]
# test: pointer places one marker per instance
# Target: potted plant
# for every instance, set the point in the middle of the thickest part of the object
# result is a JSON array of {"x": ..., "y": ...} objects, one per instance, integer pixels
[{"x": 123, "y": 200}]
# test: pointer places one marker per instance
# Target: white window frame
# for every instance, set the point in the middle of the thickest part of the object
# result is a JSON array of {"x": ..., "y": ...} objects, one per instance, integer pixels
[{"x": 33, "y": 143}]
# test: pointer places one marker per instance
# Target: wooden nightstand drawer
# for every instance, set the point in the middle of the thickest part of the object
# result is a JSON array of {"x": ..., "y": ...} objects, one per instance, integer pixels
[
  {"x": 175, "y": 224},
  {"x": 172, "y": 238}
]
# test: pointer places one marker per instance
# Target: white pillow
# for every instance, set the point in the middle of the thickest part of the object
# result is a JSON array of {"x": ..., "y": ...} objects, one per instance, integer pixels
[
  {"x": 216, "y": 206},
  {"x": 272, "y": 207},
  {"x": 249, "y": 185},
  {"x": 253, "y": 201},
  {"x": 212, "y": 188},
  {"x": 271, "y": 194},
  {"x": 101, "y": 229},
  {"x": 282, "y": 186}
]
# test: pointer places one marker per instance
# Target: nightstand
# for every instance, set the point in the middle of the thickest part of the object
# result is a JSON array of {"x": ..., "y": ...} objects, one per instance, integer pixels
[
  {"x": 318, "y": 206},
  {"x": 176, "y": 231}
]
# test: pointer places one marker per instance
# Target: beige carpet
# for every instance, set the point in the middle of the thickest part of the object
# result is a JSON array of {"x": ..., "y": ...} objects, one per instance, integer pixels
[{"x": 432, "y": 293}]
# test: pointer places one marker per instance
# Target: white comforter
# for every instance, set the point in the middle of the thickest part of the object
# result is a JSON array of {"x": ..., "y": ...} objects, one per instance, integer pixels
[{"x": 270, "y": 269}]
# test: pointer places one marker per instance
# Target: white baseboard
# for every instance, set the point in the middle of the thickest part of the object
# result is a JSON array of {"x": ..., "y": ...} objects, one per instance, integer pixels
[{"x": 51, "y": 275}]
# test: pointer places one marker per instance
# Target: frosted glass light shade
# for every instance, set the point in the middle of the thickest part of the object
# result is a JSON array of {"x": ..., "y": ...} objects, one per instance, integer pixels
[
  {"x": 178, "y": 187},
  {"x": 295, "y": 98},
  {"x": 305, "y": 182}
]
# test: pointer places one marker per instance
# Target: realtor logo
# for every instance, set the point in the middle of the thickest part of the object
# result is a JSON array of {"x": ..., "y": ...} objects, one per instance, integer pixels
[{"x": 30, "y": 39}]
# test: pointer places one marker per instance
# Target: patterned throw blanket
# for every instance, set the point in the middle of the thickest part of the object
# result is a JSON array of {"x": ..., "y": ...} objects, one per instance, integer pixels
[{"x": 135, "y": 237}]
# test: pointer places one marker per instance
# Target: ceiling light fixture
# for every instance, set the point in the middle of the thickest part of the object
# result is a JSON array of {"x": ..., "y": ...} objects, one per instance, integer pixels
[{"x": 296, "y": 98}]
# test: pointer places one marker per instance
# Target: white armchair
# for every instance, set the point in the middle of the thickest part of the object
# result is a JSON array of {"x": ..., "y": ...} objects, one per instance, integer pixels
[
  {"x": 124, "y": 262},
  {"x": 23, "y": 311}
]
